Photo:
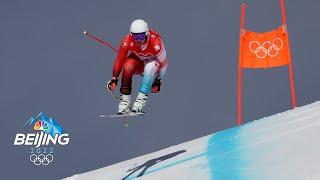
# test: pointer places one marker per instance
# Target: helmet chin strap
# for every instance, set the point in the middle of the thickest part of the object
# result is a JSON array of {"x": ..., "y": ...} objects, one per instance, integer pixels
[
  {"x": 145, "y": 44},
  {"x": 147, "y": 37}
]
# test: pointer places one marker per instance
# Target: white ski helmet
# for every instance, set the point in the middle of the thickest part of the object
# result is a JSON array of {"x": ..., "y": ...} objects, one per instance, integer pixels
[{"x": 139, "y": 26}]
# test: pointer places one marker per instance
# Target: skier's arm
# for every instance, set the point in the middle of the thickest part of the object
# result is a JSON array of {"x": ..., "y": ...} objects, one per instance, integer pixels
[
  {"x": 118, "y": 63},
  {"x": 157, "y": 81},
  {"x": 121, "y": 57},
  {"x": 163, "y": 69},
  {"x": 162, "y": 58}
]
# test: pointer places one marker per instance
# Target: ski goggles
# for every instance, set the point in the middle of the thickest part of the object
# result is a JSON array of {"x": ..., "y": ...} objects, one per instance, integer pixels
[{"x": 139, "y": 36}]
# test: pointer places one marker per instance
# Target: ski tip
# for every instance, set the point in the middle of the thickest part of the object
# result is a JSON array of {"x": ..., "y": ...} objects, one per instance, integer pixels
[
  {"x": 102, "y": 115},
  {"x": 85, "y": 32}
]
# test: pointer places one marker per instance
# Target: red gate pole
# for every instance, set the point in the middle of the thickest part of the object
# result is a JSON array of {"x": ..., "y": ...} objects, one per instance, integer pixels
[
  {"x": 243, "y": 8},
  {"x": 284, "y": 20}
]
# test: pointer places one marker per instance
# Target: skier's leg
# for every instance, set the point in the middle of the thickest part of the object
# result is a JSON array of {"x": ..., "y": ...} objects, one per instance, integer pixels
[
  {"x": 150, "y": 70},
  {"x": 131, "y": 66}
]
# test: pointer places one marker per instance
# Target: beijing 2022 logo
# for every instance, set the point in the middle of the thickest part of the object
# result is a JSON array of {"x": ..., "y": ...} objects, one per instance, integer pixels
[{"x": 47, "y": 135}]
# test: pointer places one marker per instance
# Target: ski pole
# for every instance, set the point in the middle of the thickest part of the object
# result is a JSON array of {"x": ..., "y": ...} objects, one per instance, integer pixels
[
  {"x": 100, "y": 41},
  {"x": 106, "y": 44}
]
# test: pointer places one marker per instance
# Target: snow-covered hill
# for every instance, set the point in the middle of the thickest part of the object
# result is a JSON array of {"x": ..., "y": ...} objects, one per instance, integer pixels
[{"x": 282, "y": 146}]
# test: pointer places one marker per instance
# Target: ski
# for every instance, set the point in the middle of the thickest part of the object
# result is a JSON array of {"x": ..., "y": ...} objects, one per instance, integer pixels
[{"x": 132, "y": 114}]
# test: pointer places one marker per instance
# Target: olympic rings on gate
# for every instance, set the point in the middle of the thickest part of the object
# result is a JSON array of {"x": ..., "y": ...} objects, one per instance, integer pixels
[
  {"x": 41, "y": 159},
  {"x": 266, "y": 49}
]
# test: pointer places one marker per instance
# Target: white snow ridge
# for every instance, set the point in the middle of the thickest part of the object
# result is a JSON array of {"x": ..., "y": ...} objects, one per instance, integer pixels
[{"x": 282, "y": 146}]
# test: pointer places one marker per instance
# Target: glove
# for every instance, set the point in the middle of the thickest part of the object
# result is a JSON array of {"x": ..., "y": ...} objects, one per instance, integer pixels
[
  {"x": 112, "y": 84},
  {"x": 156, "y": 85}
]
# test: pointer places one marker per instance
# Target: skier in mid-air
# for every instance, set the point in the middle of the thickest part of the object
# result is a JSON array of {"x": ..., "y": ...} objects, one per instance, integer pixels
[{"x": 141, "y": 52}]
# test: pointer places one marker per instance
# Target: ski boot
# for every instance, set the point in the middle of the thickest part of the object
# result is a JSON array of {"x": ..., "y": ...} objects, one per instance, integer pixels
[
  {"x": 124, "y": 105},
  {"x": 139, "y": 103}
]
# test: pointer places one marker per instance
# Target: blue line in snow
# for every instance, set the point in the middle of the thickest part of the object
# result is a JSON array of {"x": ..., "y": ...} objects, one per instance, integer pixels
[{"x": 219, "y": 160}]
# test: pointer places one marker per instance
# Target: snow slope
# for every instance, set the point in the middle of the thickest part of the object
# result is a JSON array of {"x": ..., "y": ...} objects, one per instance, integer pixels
[{"x": 282, "y": 146}]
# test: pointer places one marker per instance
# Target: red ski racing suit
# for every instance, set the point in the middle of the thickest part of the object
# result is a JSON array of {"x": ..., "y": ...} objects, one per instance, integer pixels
[{"x": 148, "y": 59}]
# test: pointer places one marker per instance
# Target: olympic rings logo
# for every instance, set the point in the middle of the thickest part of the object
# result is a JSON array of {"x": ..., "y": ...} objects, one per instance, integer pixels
[
  {"x": 41, "y": 159},
  {"x": 267, "y": 48}
]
